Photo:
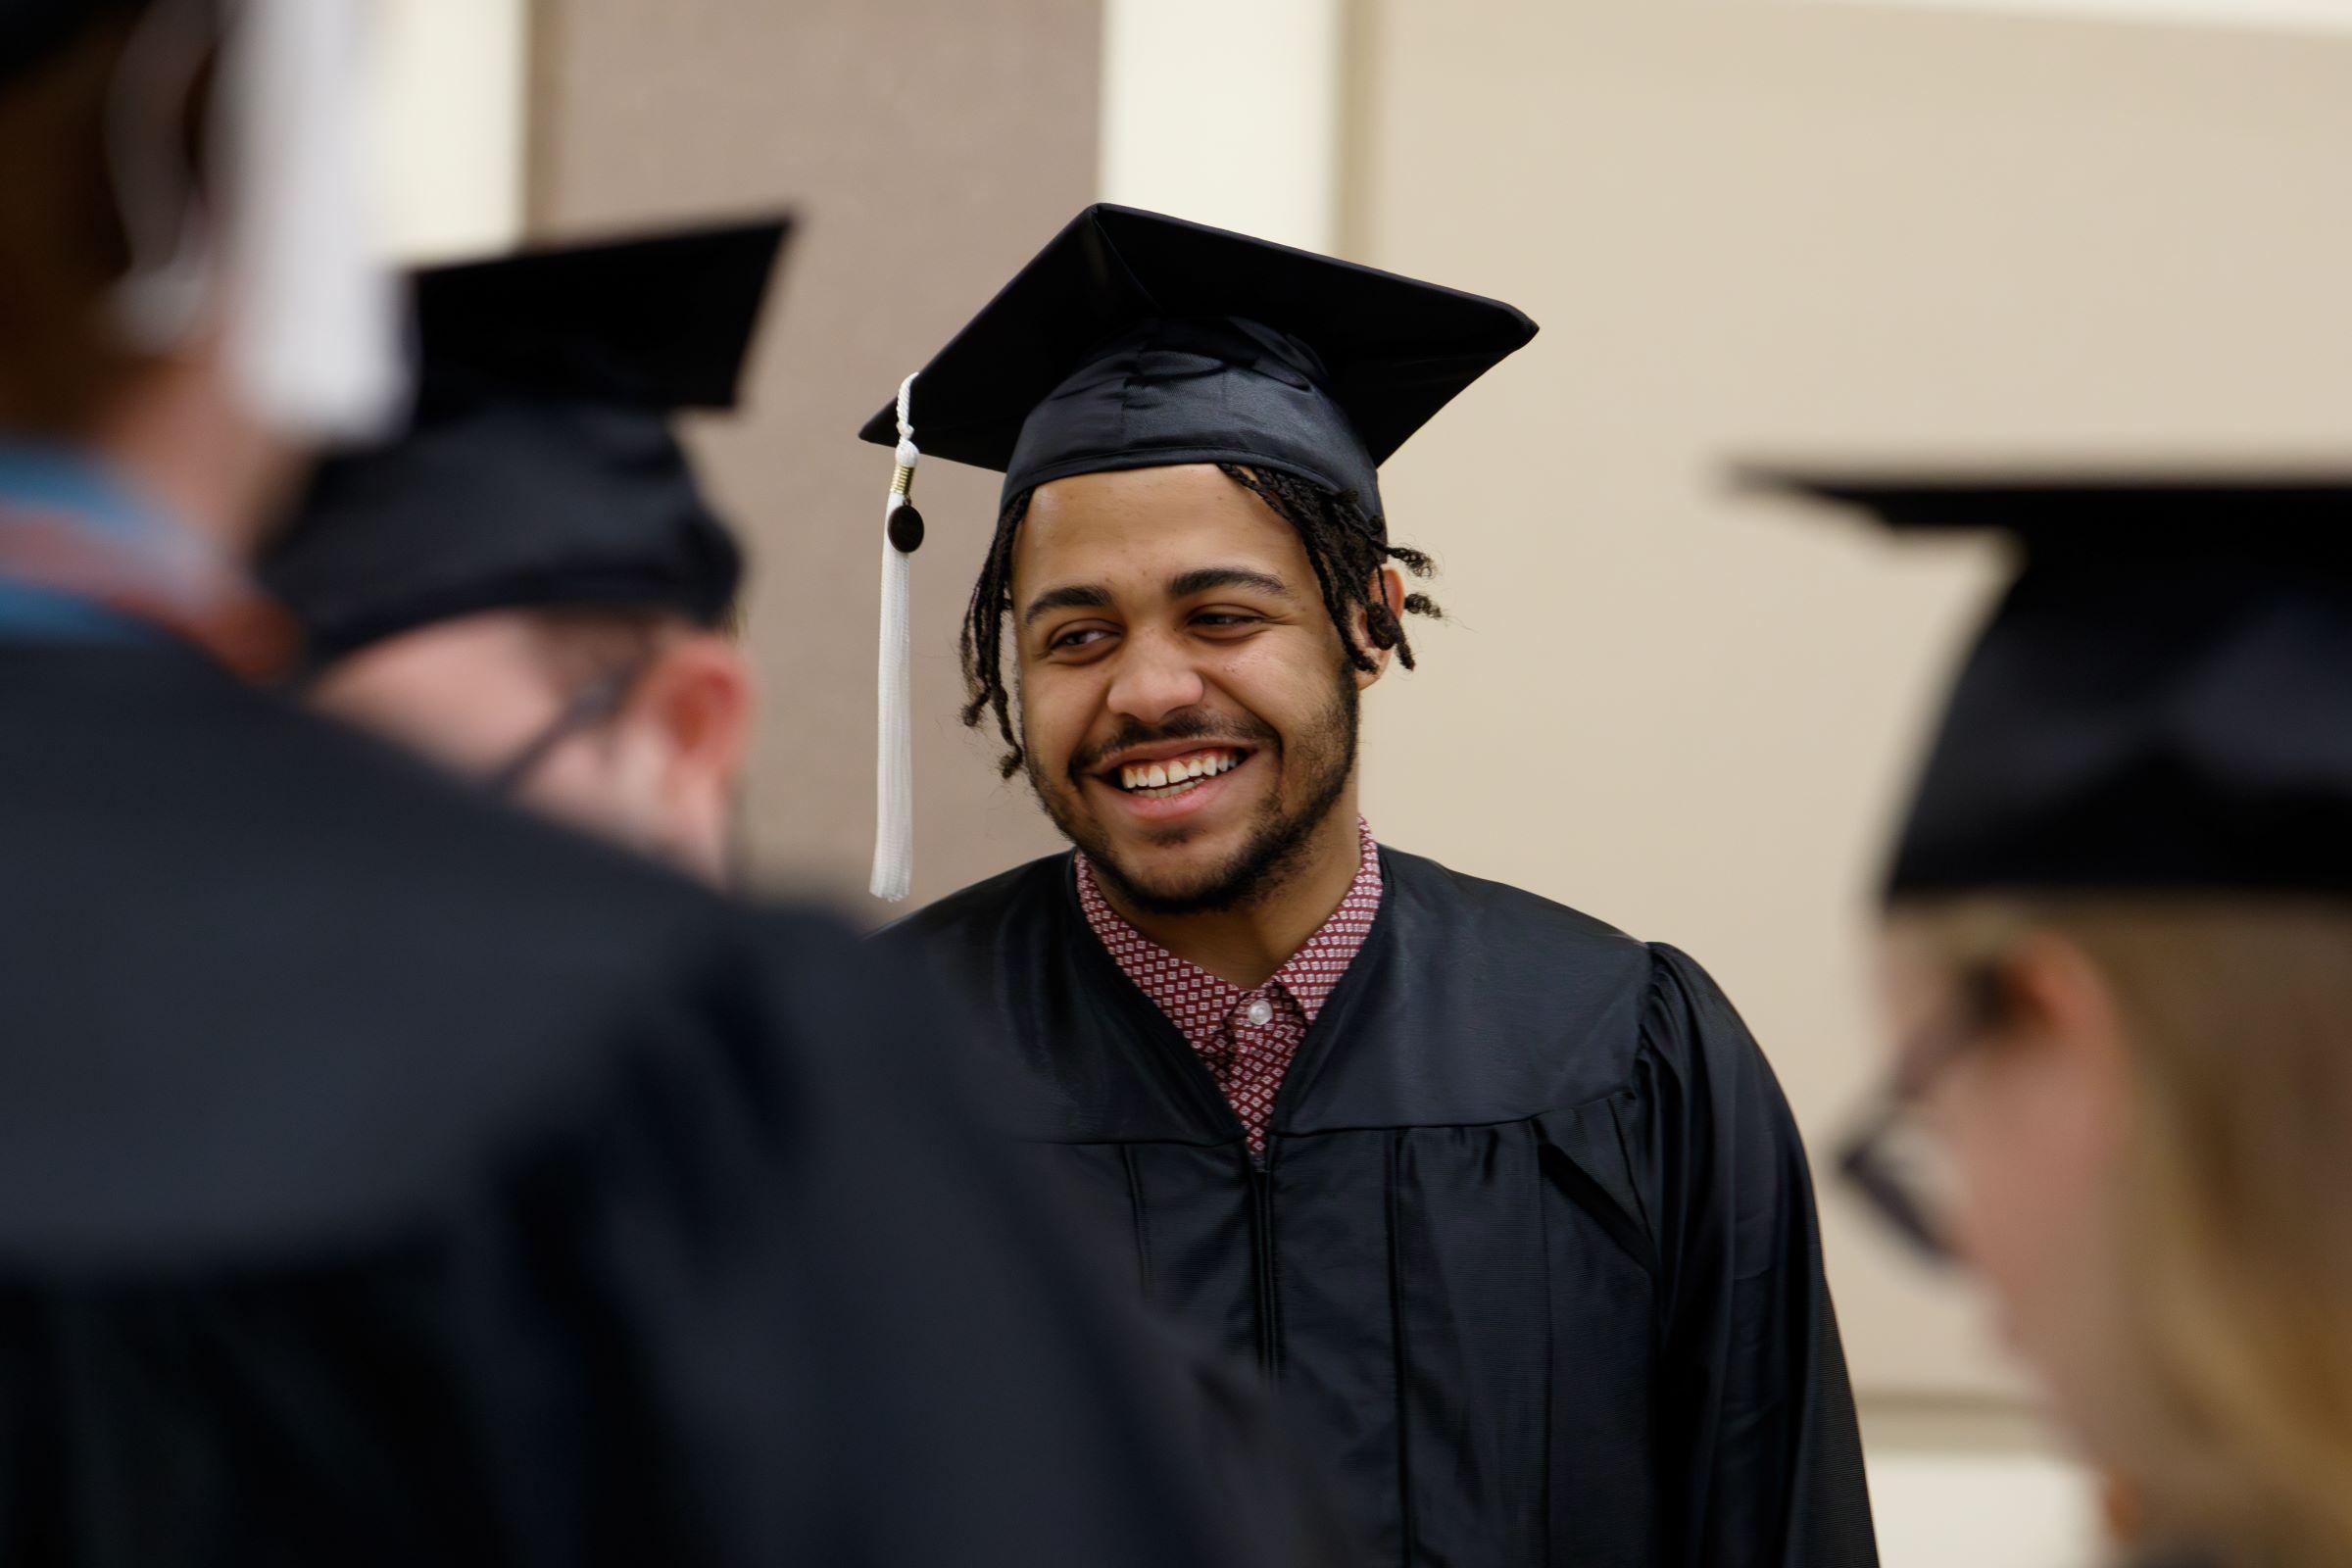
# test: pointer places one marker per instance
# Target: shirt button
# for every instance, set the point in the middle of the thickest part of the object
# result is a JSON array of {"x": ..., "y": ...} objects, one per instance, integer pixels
[{"x": 1260, "y": 1011}]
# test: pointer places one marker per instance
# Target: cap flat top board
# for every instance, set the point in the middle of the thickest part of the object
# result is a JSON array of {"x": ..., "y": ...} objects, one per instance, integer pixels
[
  {"x": 662, "y": 320},
  {"x": 2055, "y": 504},
  {"x": 1138, "y": 340}
]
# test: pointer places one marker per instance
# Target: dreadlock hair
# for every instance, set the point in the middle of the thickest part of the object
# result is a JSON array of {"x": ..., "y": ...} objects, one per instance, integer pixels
[{"x": 1341, "y": 542}]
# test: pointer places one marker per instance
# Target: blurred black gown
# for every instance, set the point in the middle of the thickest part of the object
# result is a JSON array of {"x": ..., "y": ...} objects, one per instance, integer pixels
[
  {"x": 384, "y": 1178},
  {"x": 1532, "y": 1260}
]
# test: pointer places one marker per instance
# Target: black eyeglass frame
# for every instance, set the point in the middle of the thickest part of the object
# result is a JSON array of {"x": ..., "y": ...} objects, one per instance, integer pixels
[
  {"x": 1863, "y": 1161},
  {"x": 592, "y": 705}
]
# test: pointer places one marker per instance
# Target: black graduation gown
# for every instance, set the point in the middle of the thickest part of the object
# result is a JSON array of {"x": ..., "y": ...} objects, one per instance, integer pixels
[
  {"x": 385, "y": 1178},
  {"x": 1532, "y": 1259}
]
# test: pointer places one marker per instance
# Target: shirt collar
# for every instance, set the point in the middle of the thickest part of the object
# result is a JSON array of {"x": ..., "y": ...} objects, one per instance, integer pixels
[{"x": 1307, "y": 977}]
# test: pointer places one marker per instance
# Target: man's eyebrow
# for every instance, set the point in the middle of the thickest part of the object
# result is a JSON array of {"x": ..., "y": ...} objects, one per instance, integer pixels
[
  {"x": 1203, "y": 579},
  {"x": 1075, "y": 596}
]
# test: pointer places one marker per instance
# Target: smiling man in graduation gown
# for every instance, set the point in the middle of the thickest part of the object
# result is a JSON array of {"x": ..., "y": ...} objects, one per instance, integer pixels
[
  {"x": 387, "y": 1177},
  {"x": 1505, "y": 1204}
]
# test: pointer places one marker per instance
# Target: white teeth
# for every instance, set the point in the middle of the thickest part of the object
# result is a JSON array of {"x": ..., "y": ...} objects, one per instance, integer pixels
[{"x": 1169, "y": 777}]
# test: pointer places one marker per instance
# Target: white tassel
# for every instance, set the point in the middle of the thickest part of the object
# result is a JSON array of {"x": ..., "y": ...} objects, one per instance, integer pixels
[
  {"x": 894, "y": 760},
  {"x": 314, "y": 310}
]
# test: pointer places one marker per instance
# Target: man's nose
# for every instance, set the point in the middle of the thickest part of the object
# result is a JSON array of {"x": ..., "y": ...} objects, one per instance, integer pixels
[{"x": 1156, "y": 677}]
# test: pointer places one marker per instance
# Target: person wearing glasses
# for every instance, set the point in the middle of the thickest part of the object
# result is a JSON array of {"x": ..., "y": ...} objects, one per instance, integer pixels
[
  {"x": 2119, "y": 957},
  {"x": 529, "y": 587}
]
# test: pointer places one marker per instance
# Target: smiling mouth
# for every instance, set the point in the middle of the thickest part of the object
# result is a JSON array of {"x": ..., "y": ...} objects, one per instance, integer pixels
[{"x": 1164, "y": 778}]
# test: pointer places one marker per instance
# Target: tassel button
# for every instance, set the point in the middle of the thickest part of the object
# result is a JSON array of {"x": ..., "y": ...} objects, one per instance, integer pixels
[{"x": 906, "y": 529}]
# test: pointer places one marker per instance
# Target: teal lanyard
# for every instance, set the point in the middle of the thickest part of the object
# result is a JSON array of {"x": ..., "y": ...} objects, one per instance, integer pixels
[
  {"x": 83, "y": 561},
  {"x": 64, "y": 490}
]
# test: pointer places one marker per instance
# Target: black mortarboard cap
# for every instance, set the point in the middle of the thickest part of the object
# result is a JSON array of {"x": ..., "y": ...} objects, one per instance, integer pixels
[
  {"x": 1135, "y": 340},
  {"x": 541, "y": 468},
  {"x": 2161, "y": 699}
]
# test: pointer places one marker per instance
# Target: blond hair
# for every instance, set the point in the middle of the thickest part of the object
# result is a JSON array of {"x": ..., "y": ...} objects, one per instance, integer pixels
[{"x": 2236, "y": 1203}]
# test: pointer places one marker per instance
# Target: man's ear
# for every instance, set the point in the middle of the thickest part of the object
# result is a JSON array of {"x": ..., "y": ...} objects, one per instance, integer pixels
[
  {"x": 1387, "y": 585},
  {"x": 699, "y": 692},
  {"x": 693, "y": 708}
]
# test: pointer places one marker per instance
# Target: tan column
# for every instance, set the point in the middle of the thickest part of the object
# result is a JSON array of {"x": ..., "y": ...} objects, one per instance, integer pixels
[{"x": 930, "y": 146}]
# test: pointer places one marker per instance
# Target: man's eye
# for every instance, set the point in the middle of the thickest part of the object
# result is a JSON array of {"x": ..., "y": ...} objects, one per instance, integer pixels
[
  {"x": 1226, "y": 619},
  {"x": 1077, "y": 637}
]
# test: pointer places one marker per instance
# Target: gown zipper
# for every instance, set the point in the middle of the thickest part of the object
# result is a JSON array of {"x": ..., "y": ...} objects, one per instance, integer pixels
[{"x": 1261, "y": 1247}]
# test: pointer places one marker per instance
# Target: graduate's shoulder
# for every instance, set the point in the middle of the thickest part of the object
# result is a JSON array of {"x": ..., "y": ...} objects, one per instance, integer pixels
[
  {"x": 1561, "y": 971},
  {"x": 432, "y": 872},
  {"x": 270, "y": 981},
  {"x": 128, "y": 765},
  {"x": 1489, "y": 914},
  {"x": 531, "y": 920},
  {"x": 968, "y": 924}
]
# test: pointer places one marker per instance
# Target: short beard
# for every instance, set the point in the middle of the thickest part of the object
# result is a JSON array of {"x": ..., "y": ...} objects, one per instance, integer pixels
[{"x": 1279, "y": 843}]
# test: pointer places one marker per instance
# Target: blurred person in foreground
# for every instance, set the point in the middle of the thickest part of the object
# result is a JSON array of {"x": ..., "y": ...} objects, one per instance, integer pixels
[
  {"x": 385, "y": 1177},
  {"x": 2119, "y": 957},
  {"x": 1503, "y": 1203},
  {"x": 528, "y": 585}
]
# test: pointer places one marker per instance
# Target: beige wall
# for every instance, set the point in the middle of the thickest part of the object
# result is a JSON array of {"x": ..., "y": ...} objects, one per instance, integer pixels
[
  {"x": 929, "y": 146},
  {"x": 1758, "y": 227}
]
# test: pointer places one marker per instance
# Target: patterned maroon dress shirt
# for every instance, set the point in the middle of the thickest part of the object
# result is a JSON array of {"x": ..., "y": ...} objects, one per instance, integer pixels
[{"x": 1247, "y": 1037}]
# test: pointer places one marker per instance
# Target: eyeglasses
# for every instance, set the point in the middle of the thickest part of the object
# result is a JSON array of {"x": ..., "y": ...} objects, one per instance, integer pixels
[
  {"x": 592, "y": 705},
  {"x": 1900, "y": 1167}
]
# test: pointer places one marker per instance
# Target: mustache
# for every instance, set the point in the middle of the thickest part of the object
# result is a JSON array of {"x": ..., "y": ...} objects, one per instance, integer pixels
[{"x": 1182, "y": 727}]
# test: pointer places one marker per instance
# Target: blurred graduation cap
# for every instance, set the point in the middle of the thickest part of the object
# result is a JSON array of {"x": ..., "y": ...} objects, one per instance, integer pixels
[
  {"x": 542, "y": 470},
  {"x": 1136, "y": 340},
  {"x": 2161, "y": 701}
]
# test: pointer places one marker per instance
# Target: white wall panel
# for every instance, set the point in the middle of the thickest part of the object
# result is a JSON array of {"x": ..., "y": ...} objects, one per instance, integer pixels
[
  {"x": 452, "y": 124},
  {"x": 1226, "y": 112}
]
